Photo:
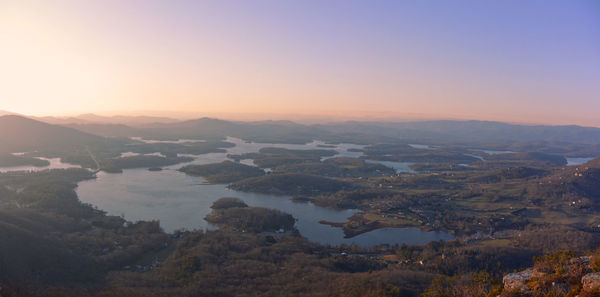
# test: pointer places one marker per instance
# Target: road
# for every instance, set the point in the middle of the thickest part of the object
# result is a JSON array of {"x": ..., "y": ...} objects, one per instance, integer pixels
[{"x": 93, "y": 158}]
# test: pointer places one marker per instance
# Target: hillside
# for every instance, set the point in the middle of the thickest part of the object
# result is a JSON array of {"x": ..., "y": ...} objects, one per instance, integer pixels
[
  {"x": 579, "y": 185},
  {"x": 97, "y": 119},
  {"x": 18, "y": 134},
  {"x": 106, "y": 130},
  {"x": 562, "y": 140},
  {"x": 290, "y": 184},
  {"x": 28, "y": 253},
  {"x": 224, "y": 172},
  {"x": 480, "y": 131}
]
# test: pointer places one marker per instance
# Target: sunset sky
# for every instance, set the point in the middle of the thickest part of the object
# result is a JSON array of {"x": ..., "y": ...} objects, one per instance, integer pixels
[{"x": 518, "y": 61}]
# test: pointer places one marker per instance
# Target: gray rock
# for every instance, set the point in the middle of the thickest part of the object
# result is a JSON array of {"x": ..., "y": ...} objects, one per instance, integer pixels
[
  {"x": 591, "y": 281},
  {"x": 518, "y": 280}
]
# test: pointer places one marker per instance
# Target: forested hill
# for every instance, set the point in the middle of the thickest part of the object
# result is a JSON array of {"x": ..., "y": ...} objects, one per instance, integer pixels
[
  {"x": 424, "y": 132},
  {"x": 443, "y": 131},
  {"x": 22, "y": 134}
]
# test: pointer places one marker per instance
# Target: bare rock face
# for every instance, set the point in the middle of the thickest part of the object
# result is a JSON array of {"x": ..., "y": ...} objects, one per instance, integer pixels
[
  {"x": 583, "y": 260},
  {"x": 518, "y": 280},
  {"x": 591, "y": 281}
]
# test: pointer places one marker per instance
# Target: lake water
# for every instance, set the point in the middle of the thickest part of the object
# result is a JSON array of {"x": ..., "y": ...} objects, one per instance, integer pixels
[
  {"x": 181, "y": 201},
  {"x": 400, "y": 167},
  {"x": 577, "y": 161},
  {"x": 140, "y": 139},
  {"x": 132, "y": 154},
  {"x": 491, "y": 152},
  {"x": 422, "y": 146},
  {"x": 55, "y": 163}
]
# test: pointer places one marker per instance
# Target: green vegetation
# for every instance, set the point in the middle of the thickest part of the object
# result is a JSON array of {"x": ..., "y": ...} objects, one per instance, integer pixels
[
  {"x": 172, "y": 149},
  {"x": 10, "y": 160},
  {"x": 560, "y": 273},
  {"x": 224, "y": 172},
  {"x": 49, "y": 236},
  {"x": 436, "y": 167},
  {"x": 290, "y": 184},
  {"x": 118, "y": 164},
  {"x": 228, "y": 202},
  {"x": 337, "y": 167},
  {"x": 106, "y": 256},
  {"x": 406, "y": 153},
  {"x": 531, "y": 158},
  {"x": 251, "y": 219},
  {"x": 271, "y": 157}
]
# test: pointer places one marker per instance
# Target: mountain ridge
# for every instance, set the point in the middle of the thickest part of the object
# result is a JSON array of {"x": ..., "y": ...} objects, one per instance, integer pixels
[{"x": 19, "y": 133}]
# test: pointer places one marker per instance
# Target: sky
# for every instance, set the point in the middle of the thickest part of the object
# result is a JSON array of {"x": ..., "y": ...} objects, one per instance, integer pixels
[{"x": 512, "y": 60}]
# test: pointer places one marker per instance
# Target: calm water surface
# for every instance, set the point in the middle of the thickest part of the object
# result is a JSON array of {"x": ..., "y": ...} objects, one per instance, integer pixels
[
  {"x": 55, "y": 163},
  {"x": 181, "y": 201},
  {"x": 577, "y": 161}
]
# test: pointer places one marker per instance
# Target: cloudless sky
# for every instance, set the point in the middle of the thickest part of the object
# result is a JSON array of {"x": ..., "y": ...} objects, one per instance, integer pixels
[{"x": 520, "y": 61}]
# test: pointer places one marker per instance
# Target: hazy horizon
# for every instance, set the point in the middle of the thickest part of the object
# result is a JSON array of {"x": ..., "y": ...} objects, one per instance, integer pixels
[{"x": 306, "y": 119}]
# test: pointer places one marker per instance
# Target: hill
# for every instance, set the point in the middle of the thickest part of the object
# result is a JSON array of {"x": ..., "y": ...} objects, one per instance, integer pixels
[
  {"x": 479, "y": 131},
  {"x": 290, "y": 184},
  {"x": 208, "y": 128},
  {"x": 18, "y": 134},
  {"x": 475, "y": 134},
  {"x": 4, "y": 112},
  {"x": 224, "y": 172},
  {"x": 575, "y": 184},
  {"x": 106, "y": 130},
  {"x": 97, "y": 119}
]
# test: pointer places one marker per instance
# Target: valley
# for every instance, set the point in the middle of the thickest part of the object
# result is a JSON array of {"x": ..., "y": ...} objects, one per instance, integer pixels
[{"x": 421, "y": 211}]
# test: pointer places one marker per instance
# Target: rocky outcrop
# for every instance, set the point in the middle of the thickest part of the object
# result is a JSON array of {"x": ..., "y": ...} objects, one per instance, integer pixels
[
  {"x": 543, "y": 279},
  {"x": 517, "y": 280},
  {"x": 591, "y": 281},
  {"x": 583, "y": 260}
]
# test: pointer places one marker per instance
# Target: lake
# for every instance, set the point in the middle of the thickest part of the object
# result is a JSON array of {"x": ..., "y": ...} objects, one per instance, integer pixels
[
  {"x": 55, "y": 163},
  {"x": 181, "y": 201},
  {"x": 577, "y": 161}
]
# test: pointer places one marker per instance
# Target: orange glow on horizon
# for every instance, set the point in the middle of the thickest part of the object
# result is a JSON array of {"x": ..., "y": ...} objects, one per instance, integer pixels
[{"x": 78, "y": 58}]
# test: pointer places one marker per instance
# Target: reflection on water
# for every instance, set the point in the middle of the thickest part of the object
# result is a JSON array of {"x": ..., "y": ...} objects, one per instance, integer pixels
[
  {"x": 577, "y": 161},
  {"x": 167, "y": 141},
  {"x": 492, "y": 152},
  {"x": 242, "y": 147},
  {"x": 421, "y": 146},
  {"x": 132, "y": 154},
  {"x": 400, "y": 167},
  {"x": 181, "y": 201}
]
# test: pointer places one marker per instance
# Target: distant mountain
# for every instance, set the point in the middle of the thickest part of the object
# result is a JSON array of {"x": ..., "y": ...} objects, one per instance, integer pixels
[
  {"x": 61, "y": 120},
  {"x": 208, "y": 128},
  {"x": 475, "y": 133},
  {"x": 125, "y": 120},
  {"x": 4, "y": 112},
  {"x": 18, "y": 134},
  {"x": 446, "y": 131},
  {"x": 97, "y": 119},
  {"x": 106, "y": 130}
]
